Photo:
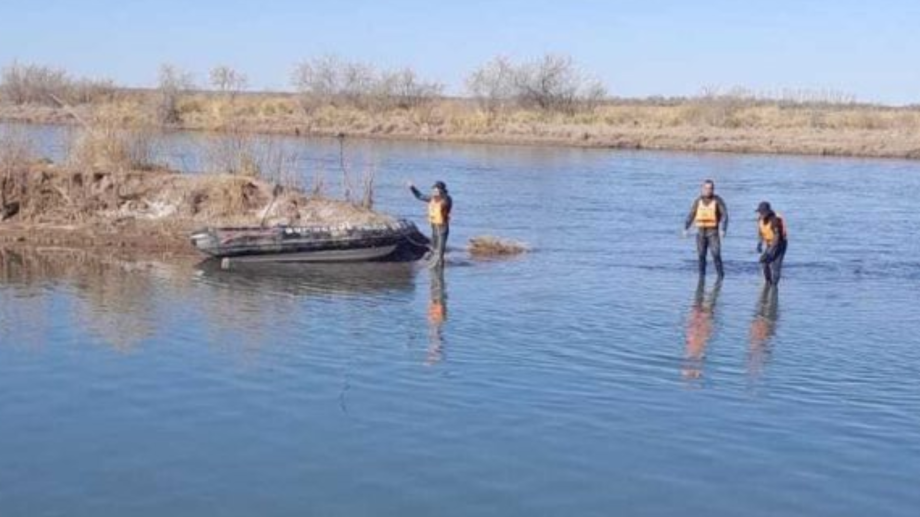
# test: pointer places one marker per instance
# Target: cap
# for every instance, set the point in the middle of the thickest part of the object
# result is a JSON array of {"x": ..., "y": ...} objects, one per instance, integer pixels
[
  {"x": 440, "y": 185},
  {"x": 763, "y": 208}
]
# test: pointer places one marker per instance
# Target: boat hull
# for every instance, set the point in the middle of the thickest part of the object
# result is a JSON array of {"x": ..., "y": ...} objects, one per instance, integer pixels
[{"x": 397, "y": 242}]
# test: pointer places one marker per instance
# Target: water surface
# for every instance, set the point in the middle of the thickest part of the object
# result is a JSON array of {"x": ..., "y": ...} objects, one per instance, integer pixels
[{"x": 591, "y": 377}]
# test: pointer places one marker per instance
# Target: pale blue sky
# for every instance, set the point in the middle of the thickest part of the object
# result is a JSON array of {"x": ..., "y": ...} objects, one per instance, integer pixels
[{"x": 639, "y": 48}]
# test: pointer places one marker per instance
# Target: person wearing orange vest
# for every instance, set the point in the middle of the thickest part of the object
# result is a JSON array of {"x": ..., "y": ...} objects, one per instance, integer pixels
[
  {"x": 439, "y": 206},
  {"x": 771, "y": 231},
  {"x": 710, "y": 215}
]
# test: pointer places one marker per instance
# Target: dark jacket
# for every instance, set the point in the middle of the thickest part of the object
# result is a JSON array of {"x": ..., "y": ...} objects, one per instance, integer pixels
[{"x": 448, "y": 202}]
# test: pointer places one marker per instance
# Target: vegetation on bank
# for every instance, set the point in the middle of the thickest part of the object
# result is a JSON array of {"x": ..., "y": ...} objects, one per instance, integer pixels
[
  {"x": 550, "y": 100},
  {"x": 108, "y": 191},
  {"x": 488, "y": 246}
]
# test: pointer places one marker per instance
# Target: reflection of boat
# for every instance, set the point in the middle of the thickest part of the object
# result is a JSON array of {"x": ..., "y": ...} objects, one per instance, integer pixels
[
  {"x": 400, "y": 241},
  {"x": 306, "y": 279}
]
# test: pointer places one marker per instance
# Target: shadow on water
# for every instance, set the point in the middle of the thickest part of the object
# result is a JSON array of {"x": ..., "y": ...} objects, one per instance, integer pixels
[
  {"x": 700, "y": 328},
  {"x": 763, "y": 328}
]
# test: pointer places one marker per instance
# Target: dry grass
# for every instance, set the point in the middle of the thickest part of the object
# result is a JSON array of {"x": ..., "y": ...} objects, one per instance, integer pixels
[
  {"x": 495, "y": 247},
  {"x": 109, "y": 139},
  {"x": 719, "y": 123}
]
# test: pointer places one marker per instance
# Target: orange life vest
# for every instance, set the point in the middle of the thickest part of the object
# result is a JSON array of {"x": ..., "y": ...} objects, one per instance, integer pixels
[
  {"x": 706, "y": 216},
  {"x": 766, "y": 231},
  {"x": 436, "y": 211}
]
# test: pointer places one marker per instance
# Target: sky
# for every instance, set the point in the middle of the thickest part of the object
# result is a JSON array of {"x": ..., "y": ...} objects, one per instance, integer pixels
[{"x": 637, "y": 48}]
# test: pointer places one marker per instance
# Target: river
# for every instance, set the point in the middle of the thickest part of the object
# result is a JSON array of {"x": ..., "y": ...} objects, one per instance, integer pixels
[{"x": 592, "y": 376}]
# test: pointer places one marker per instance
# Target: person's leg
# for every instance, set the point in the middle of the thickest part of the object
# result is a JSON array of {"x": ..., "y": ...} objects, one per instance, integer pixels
[
  {"x": 777, "y": 265},
  {"x": 766, "y": 265},
  {"x": 439, "y": 246},
  {"x": 715, "y": 247},
  {"x": 702, "y": 246},
  {"x": 434, "y": 243},
  {"x": 443, "y": 242}
]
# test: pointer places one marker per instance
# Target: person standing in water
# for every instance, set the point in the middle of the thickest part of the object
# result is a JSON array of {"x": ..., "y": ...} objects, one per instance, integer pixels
[
  {"x": 711, "y": 217},
  {"x": 439, "y": 206},
  {"x": 771, "y": 229}
]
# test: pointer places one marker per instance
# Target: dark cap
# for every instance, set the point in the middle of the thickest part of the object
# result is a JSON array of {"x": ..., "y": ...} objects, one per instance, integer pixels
[
  {"x": 763, "y": 208},
  {"x": 440, "y": 185}
]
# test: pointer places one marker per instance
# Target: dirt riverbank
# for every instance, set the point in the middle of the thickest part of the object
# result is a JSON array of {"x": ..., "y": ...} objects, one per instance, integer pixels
[{"x": 150, "y": 212}]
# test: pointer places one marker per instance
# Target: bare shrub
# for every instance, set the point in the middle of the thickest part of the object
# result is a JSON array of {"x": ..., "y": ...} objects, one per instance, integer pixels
[
  {"x": 332, "y": 81},
  {"x": 368, "y": 188},
  {"x": 16, "y": 156},
  {"x": 493, "y": 84},
  {"x": 36, "y": 84},
  {"x": 173, "y": 82},
  {"x": 228, "y": 80},
  {"x": 16, "y": 150},
  {"x": 403, "y": 89},
  {"x": 240, "y": 152},
  {"x": 492, "y": 247},
  {"x": 553, "y": 82},
  {"x": 329, "y": 80},
  {"x": 109, "y": 142}
]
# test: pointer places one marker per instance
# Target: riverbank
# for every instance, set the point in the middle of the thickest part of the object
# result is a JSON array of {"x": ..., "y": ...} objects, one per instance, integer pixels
[
  {"x": 150, "y": 212},
  {"x": 706, "y": 125}
]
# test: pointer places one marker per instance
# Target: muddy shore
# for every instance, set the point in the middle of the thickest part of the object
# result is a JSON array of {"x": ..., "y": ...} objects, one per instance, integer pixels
[{"x": 150, "y": 213}]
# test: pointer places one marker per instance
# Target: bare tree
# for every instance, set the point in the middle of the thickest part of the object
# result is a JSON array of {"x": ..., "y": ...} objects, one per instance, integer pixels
[
  {"x": 228, "y": 80},
  {"x": 321, "y": 80},
  {"x": 36, "y": 84},
  {"x": 493, "y": 84},
  {"x": 329, "y": 80},
  {"x": 553, "y": 83},
  {"x": 173, "y": 83},
  {"x": 403, "y": 89}
]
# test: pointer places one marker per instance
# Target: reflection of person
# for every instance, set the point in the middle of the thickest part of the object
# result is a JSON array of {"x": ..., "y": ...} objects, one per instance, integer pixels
[
  {"x": 710, "y": 215},
  {"x": 439, "y": 206},
  {"x": 763, "y": 327},
  {"x": 771, "y": 228},
  {"x": 700, "y": 323},
  {"x": 437, "y": 316}
]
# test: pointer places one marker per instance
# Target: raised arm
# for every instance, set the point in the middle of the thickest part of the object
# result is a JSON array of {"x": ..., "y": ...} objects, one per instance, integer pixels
[{"x": 418, "y": 194}]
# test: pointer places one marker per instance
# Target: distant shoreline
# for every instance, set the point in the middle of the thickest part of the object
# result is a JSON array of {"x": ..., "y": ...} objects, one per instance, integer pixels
[{"x": 687, "y": 126}]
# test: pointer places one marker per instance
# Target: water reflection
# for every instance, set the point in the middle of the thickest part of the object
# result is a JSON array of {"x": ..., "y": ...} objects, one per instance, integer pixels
[
  {"x": 700, "y": 328},
  {"x": 115, "y": 298},
  {"x": 119, "y": 301},
  {"x": 310, "y": 279},
  {"x": 437, "y": 316},
  {"x": 763, "y": 327}
]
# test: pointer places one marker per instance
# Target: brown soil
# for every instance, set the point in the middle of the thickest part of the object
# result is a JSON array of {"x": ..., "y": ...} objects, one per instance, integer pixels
[{"x": 149, "y": 211}]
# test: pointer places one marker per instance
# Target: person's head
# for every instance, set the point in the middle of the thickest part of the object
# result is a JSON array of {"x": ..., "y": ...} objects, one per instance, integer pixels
[
  {"x": 708, "y": 189},
  {"x": 764, "y": 209},
  {"x": 439, "y": 189}
]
